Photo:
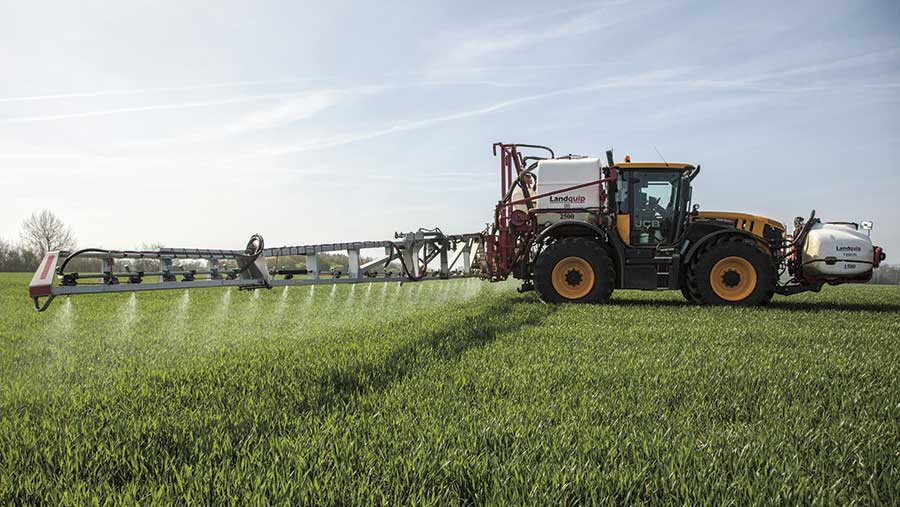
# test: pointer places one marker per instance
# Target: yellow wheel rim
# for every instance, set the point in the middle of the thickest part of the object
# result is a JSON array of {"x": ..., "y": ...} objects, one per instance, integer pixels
[
  {"x": 573, "y": 278},
  {"x": 733, "y": 278}
]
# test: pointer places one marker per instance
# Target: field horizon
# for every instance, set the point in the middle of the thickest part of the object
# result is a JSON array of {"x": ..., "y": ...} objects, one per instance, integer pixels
[{"x": 447, "y": 392}]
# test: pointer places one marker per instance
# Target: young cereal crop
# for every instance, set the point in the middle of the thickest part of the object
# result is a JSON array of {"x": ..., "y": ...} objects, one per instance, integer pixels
[{"x": 478, "y": 395}]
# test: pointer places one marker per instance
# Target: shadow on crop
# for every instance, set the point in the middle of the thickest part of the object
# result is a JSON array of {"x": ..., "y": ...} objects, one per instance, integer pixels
[
  {"x": 648, "y": 302},
  {"x": 532, "y": 299},
  {"x": 475, "y": 330},
  {"x": 778, "y": 304},
  {"x": 829, "y": 306}
]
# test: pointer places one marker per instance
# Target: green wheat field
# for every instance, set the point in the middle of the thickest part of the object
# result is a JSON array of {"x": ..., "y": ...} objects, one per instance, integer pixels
[{"x": 447, "y": 393}]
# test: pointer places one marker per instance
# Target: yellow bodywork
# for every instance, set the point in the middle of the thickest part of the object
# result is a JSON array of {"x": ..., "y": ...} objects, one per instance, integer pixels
[
  {"x": 751, "y": 223},
  {"x": 623, "y": 226}
]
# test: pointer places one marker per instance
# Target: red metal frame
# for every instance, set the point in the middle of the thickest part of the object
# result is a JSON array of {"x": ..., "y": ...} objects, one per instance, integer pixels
[{"x": 513, "y": 234}]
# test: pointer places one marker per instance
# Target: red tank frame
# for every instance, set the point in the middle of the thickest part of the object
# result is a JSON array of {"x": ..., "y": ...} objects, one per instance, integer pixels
[{"x": 513, "y": 233}]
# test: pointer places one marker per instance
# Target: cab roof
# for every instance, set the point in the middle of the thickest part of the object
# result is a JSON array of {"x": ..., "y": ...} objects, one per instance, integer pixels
[{"x": 654, "y": 165}]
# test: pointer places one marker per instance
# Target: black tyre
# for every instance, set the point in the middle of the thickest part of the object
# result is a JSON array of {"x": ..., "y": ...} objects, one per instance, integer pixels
[
  {"x": 732, "y": 271},
  {"x": 690, "y": 296},
  {"x": 574, "y": 270}
]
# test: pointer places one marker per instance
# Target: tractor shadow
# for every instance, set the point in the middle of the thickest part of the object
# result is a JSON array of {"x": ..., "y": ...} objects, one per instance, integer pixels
[
  {"x": 803, "y": 306},
  {"x": 778, "y": 304},
  {"x": 476, "y": 330},
  {"x": 617, "y": 301}
]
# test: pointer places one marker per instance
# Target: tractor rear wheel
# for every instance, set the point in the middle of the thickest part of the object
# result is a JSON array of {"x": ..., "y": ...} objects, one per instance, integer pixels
[
  {"x": 574, "y": 270},
  {"x": 732, "y": 271}
]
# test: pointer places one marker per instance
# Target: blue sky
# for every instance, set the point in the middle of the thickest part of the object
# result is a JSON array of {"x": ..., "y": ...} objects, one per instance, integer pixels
[{"x": 198, "y": 124}]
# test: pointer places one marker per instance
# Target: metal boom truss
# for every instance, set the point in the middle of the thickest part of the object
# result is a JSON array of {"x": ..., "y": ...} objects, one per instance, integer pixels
[{"x": 415, "y": 252}]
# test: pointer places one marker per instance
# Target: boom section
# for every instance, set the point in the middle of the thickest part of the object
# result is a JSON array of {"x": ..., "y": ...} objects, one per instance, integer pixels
[{"x": 413, "y": 256}]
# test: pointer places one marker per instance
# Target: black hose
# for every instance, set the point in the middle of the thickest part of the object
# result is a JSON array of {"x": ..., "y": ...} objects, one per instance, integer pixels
[
  {"x": 406, "y": 270},
  {"x": 520, "y": 183},
  {"x": 71, "y": 256},
  {"x": 537, "y": 146},
  {"x": 800, "y": 238},
  {"x": 251, "y": 253}
]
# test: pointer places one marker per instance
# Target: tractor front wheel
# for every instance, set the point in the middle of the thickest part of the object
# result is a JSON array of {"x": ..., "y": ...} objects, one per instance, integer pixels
[
  {"x": 574, "y": 270},
  {"x": 692, "y": 298}
]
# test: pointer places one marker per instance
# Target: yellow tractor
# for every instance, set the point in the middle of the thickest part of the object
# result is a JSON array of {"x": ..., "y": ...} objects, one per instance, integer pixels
[{"x": 587, "y": 229}]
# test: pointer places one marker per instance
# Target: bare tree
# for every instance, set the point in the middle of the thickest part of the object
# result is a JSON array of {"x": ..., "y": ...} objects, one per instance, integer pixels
[{"x": 44, "y": 232}]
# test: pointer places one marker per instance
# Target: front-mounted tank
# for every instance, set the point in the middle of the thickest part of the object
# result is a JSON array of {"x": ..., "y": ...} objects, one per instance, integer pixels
[{"x": 837, "y": 250}]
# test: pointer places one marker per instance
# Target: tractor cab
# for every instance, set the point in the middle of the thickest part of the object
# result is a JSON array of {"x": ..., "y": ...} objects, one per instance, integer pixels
[{"x": 651, "y": 202}]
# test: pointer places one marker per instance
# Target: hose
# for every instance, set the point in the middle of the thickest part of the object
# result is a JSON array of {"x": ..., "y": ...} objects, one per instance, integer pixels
[
  {"x": 251, "y": 253},
  {"x": 793, "y": 247},
  {"x": 525, "y": 192},
  {"x": 801, "y": 237},
  {"x": 518, "y": 182},
  {"x": 405, "y": 268},
  {"x": 254, "y": 249},
  {"x": 71, "y": 256}
]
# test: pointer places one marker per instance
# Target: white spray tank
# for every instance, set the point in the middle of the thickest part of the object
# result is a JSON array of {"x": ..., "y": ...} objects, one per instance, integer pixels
[
  {"x": 561, "y": 173},
  {"x": 836, "y": 250},
  {"x": 557, "y": 174}
]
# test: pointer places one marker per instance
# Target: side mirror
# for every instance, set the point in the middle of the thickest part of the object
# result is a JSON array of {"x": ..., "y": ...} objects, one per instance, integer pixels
[
  {"x": 867, "y": 226},
  {"x": 695, "y": 210}
]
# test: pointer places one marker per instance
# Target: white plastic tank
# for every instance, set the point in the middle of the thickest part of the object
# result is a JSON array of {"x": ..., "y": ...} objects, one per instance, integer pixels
[
  {"x": 837, "y": 250},
  {"x": 562, "y": 173}
]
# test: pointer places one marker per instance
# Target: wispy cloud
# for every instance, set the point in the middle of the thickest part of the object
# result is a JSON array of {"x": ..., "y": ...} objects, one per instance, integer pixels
[
  {"x": 155, "y": 107},
  {"x": 836, "y": 64},
  {"x": 758, "y": 84},
  {"x": 635, "y": 80},
  {"x": 294, "y": 108},
  {"x": 138, "y": 91},
  {"x": 234, "y": 84},
  {"x": 302, "y": 97},
  {"x": 664, "y": 78},
  {"x": 474, "y": 44},
  {"x": 286, "y": 112}
]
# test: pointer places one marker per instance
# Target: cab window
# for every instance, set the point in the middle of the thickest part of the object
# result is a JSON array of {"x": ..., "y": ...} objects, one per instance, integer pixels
[
  {"x": 622, "y": 192},
  {"x": 653, "y": 206}
]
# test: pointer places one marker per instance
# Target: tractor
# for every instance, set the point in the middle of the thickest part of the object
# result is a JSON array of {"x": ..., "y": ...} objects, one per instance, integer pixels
[{"x": 586, "y": 229}]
